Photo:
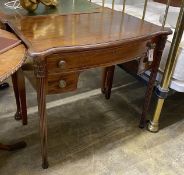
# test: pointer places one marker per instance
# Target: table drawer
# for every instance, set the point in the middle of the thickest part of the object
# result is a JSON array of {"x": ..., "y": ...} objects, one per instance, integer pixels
[
  {"x": 65, "y": 82},
  {"x": 79, "y": 60}
]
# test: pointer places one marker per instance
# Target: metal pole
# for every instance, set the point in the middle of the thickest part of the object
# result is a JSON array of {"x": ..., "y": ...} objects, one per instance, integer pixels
[
  {"x": 113, "y": 1},
  {"x": 103, "y": 3},
  {"x": 166, "y": 12},
  {"x": 145, "y": 7},
  {"x": 124, "y": 4},
  {"x": 170, "y": 65}
]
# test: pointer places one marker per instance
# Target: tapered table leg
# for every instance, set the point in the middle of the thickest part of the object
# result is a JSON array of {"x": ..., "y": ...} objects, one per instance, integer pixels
[
  {"x": 107, "y": 81},
  {"x": 41, "y": 95},
  {"x": 104, "y": 77},
  {"x": 18, "y": 81},
  {"x": 16, "y": 92}
]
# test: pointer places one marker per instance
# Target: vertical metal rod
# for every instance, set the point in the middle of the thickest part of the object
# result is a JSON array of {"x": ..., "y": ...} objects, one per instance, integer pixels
[
  {"x": 113, "y": 4},
  {"x": 124, "y": 4},
  {"x": 145, "y": 7},
  {"x": 173, "y": 50},
  {"x": 166, "y": 12},
  {"x": 170, "y": 65},
  {"x": 103, "y": 3}
]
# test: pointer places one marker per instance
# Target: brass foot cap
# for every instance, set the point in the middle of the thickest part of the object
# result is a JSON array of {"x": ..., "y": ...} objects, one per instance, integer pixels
[{"x": 153, "y": 127}]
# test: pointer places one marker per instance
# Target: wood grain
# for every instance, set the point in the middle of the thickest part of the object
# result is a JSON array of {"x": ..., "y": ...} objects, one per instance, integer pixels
[
  {"x": 46, "y": 34},
  {"x": 11, "y": 60},
  {"x": 82, "y": 41}
]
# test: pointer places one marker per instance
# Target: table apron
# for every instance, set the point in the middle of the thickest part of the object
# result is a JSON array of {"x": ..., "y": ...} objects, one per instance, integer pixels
[
  {"x": 63, "y": 68},
  {"x": 77, "y": 61}
]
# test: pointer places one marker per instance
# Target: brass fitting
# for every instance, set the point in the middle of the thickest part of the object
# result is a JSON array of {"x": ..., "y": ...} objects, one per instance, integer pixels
[{"x": 31, "y": 5}]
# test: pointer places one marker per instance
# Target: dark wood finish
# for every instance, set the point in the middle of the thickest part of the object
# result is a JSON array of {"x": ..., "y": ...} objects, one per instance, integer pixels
[
  {"x": 44, "y": 35},
  {"x": 69, "y": 81},
  {"x": 10, "y": 62},
  {"x": 107, "y": 80},
  {"x": 16, "y": 92},
  {"x": 13, "y": 147},
  {"x": 20, "y": 96},
  {"x": 41, "y": 95},
  {"x": 175, "y": 3},
  {"x": 40, "y": 72},
  {"x": 61, "y": 46},
  {"x": 96, "y": 57},
  {"x": 9, "y": 65}
]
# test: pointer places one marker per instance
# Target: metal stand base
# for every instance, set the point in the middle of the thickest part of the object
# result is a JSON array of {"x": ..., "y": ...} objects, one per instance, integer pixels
[{"x": 153, "y": 127}]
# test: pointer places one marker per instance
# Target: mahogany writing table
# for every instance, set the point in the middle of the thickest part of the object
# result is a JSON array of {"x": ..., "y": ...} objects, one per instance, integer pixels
[{"x": 62, "y": 44}]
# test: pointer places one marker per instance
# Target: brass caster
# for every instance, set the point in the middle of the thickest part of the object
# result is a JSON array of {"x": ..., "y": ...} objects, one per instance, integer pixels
[{"x": 153, "y": 127}]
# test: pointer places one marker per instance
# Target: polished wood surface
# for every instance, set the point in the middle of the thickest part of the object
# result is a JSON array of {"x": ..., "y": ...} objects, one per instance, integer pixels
[
  {"x": 43, "y": 34},
  {"x": 61, "y": 46},
  {"x": 11, "y": 60},
  {"x": 10, "y": 63},
  {"x": 63, "y": 7}
]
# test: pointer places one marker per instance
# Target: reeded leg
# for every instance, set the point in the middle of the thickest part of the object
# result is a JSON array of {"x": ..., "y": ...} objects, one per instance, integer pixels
[
  {"x": 157, "y": 57},
  {"x": 107, "y": 81},
  {"x": 20, "y": 95},
  {"x": 41, "y": 95}
]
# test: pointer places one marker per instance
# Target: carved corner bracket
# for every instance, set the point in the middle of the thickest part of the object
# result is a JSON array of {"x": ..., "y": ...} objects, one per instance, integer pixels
[{"x": 40, "y": 69}]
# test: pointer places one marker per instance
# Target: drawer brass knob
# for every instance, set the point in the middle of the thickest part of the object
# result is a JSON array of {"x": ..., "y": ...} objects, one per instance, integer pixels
[
  {"x": 62, "y": 64},
  {"x": 62, "y": 83}
]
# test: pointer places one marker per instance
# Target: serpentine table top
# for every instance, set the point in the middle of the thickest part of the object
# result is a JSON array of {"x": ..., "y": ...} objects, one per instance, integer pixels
[
  {"x": 75, "y": 26},
  {"x": 80, "y": 35}
]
